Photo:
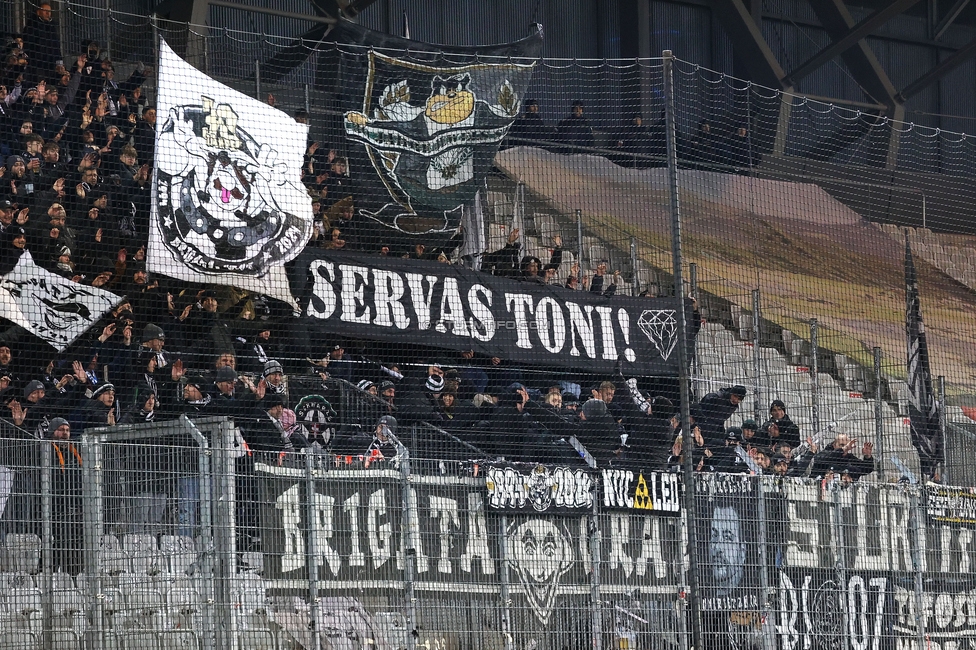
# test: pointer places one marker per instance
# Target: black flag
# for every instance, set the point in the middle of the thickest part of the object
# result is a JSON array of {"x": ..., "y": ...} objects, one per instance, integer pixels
[
  {"x": 922, "y": 407},
  {"x": 422, "y": 124}
]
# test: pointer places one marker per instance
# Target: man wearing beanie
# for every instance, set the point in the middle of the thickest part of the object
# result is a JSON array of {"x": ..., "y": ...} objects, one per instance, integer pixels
[
  {"x": 779, "y": 428},
  {"x": 274, "y": 377}
]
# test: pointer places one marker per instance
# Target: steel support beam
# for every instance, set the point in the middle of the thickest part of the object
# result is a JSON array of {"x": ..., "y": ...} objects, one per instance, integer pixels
[
  {"x": 860, "y": 60},
  {"x": 950, "y": 18},
  {"x": 961, "y": 55},
  {"x": 749, "y": 44},
  {"x": 848, "y": 40},
  {"x": 273, "y": 12}
]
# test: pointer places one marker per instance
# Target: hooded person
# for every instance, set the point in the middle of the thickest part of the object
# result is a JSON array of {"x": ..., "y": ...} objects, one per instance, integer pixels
[
  {"x": 598, "y": 431},
  {"x": 715, "y": 409},
  {"x": 14, "y": 243},
  {"x": 531, "y": 268},
  {"x": 143, "y": 408}
]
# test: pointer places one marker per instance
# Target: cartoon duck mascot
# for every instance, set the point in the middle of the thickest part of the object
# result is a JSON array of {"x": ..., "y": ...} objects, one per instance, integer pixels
[{"x": 429, "y": 156}]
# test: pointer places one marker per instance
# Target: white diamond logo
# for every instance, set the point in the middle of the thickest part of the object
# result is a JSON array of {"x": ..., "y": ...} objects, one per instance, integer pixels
[{"x": 660, "y": 326}]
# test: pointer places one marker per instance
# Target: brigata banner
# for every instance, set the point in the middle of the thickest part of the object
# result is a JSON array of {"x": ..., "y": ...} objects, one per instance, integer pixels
[{"x": 441, "y": 305}]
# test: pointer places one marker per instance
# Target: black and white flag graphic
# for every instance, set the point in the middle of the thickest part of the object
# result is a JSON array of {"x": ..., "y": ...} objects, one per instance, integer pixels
[
  {"x": 229, "y": 206},
  {"x": 53, "y": 308},
  {"x": 922, "y": 407}
]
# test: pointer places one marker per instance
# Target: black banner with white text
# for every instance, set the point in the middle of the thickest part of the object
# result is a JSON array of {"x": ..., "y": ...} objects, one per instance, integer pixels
[{"x": 446, "y": 306}]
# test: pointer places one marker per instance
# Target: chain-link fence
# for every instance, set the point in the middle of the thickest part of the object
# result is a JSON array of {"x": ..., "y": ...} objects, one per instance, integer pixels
[
  {"x": 177, "y": 536},
  {"x": 497, "y": 460}
]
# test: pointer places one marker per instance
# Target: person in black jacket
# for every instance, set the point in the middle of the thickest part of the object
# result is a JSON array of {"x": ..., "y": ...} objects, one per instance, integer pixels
[
  {"x": 575, "y": 131},
  {"x": 101, "y": 410},
  {"x": 838, "y": 459},
  {"x": 67, "y": 528},
  {"x": 716, "y": 408},
  {"x": 779, "y": 428},
  {"x": 529, "y": 129},
  {"x": 42, "y": 43}
]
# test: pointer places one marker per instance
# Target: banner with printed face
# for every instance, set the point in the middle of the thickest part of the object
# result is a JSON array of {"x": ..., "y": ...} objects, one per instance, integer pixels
[
  {"x": 422, "y": 124},
  {"x": 229, "y": 206},
  {"x": 51, "y": 307},
  {"x": 447, "y": 306}
]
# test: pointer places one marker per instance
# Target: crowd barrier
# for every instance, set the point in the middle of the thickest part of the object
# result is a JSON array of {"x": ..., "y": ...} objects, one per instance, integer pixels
[{"x": 173, "y": 534}]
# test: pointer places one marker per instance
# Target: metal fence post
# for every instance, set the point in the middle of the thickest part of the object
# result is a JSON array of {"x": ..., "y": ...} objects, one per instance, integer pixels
[
  {"x": 579, "y": 249},
  {"x": 878, "y": 415},
  {"x": 47, "y": 541},
  {"x": 917, "y": 528},
  {"x": 596, "y": 604},
  {"x": 635, "y": 281},
  {"x": 840, "y": 566},
  {"x": 693, "y": 279},
  {"x": 94, "y": 517},
  {"x": 312, "y": 561},
  {"x": 257, "y": 79},
  {"x": 225, "y": 533},
  {"x": 768, "y": 633},
  {"x": 503, "y": 579},
  {"x": 814, "y": 375},
  {"x": 206, "y": 533},
  {"x": 943, "y": 425},
  {"x": 756, "y": 357},
  {"x": 410, "y": 539},
  {"x": 683, "y": 356},
  {"x": 308, "y": 103}
]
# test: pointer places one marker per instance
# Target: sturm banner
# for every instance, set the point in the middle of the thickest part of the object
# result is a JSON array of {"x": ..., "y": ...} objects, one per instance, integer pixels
[
  {"x": 838, "y": 566},
  {"x": 229, "y": 206},
  {"x": 447, "y": 306},
  {"x": 423, "y": 123}
]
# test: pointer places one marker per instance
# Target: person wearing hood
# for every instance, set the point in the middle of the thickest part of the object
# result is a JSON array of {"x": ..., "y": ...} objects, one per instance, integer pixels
[
  {"x": 716, "y": 408},
  {"x": 94, "y": 231},
  {"x": 531, "y": 267},
  {"x": 17, "y": 184},
  {"x": 14, "y": 244},
  {"x": 779, "y": 428},
  {"x": 144, "y": 408}
]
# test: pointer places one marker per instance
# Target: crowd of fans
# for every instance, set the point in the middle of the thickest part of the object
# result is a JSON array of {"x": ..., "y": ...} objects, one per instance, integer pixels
[
  {"x": 77, "y": 148},
  {"x": 634, "y": 144}
]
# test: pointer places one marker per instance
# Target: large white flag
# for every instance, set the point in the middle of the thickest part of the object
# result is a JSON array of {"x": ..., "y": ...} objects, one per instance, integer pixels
[
  {"x": 51, "y": 307},
  {"x": 229, "y": 206}
]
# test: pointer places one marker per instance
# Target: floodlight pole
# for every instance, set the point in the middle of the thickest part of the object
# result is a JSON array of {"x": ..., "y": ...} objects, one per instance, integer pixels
[{"x": 684, "y": 374}]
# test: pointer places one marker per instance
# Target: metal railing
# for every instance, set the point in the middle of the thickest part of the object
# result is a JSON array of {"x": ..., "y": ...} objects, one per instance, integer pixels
[{"x": 177, "y": 536}]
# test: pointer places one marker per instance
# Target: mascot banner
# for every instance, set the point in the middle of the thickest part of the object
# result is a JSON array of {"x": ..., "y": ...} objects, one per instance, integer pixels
[
  {"x": 422, "y": 125},
  {"x": 229, "y": 206},
  {"x": 51, "y": 307}
]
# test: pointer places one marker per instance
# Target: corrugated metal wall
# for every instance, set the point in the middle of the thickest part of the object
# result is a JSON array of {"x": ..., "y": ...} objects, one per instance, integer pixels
[{"x": 590, "y": 29}]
